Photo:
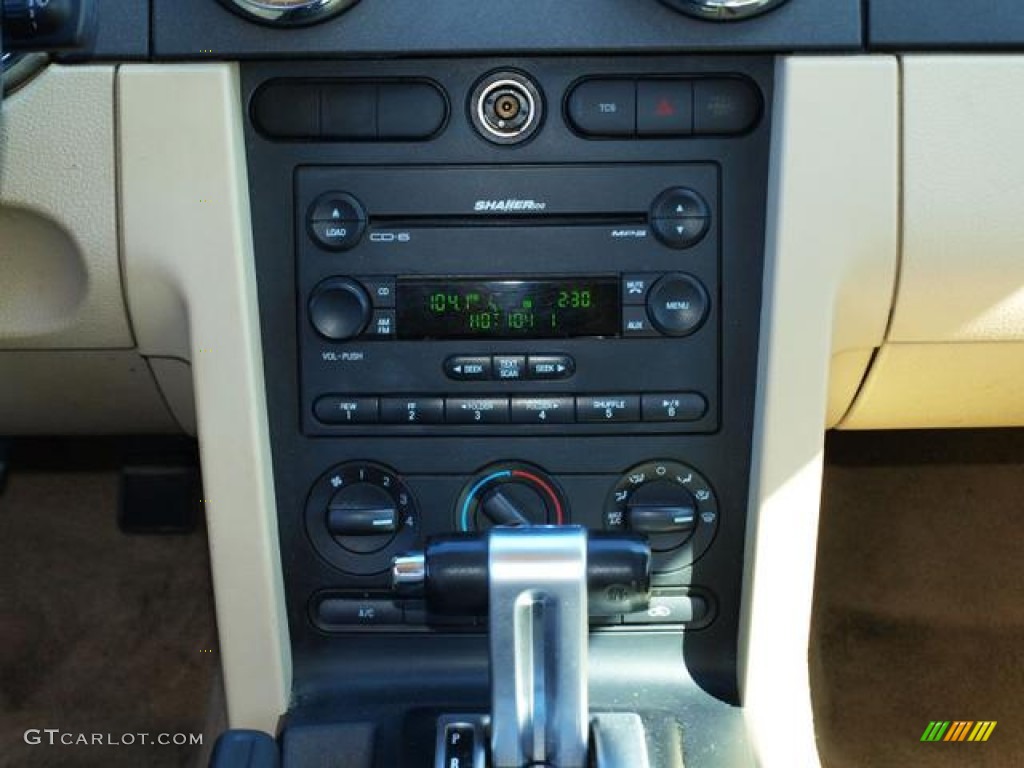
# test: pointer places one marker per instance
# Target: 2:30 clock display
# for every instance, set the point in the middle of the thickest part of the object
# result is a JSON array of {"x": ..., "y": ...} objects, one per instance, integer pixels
[{"x": 468, "y": 308}]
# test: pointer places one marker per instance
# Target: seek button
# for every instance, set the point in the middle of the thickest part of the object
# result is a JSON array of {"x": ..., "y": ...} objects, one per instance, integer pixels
[{"x": 549, "y": 367}]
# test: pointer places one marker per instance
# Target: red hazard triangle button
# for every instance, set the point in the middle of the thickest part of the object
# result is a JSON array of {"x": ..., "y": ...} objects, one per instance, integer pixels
[{"x": 664, "y": 107}]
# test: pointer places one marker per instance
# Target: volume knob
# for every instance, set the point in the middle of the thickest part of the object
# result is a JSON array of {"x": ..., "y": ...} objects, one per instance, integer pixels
[{"x": 339, "y": 309}]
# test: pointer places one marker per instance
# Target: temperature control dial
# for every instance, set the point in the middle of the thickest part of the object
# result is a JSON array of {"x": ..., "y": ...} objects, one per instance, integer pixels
[
  {"x": 672, "y": 504},
  {"x": 510, "y": 494},
  {"x": 359, "y": 516}
]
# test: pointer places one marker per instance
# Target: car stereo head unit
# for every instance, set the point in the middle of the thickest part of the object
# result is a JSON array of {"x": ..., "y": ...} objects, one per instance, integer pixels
[{"x": 597, "y": 300}]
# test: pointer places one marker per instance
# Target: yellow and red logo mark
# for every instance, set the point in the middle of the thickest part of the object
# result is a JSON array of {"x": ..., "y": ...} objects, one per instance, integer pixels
[{"x": 958, "y": 730}]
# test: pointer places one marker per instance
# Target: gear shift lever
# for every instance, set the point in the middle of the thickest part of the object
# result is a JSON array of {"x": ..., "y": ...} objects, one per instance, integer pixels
[
  {"x": 538, "y": 643},
  {"x": 538, "y": 585}
]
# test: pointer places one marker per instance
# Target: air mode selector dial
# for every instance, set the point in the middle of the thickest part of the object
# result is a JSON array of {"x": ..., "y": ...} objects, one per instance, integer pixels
[{"x": 670, "y": 503}]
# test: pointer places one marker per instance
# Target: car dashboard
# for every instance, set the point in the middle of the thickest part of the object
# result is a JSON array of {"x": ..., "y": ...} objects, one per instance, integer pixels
[{"x": 415, "y": 271}]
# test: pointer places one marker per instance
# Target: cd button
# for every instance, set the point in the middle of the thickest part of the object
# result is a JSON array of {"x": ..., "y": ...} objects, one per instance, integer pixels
[
  {"x": 476, "y": 410},
  {"x": 412, "y": 410},
  {"x": 468, "y": 368},
  {"x": 551, "y": 367},
  {"x": 611, "y": 408},
  {"x": 542, "y": 410},
  {"x": 381, "y": 291},
  {"x": 509, "y": 367}
]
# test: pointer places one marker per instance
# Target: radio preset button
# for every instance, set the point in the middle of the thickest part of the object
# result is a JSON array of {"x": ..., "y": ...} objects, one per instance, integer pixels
[
  {"x": 684, "y": 406},
  {"x": 337, "y": 409},
  {"x": 477, "y": 410},
  {"x": 337, "y": 221},
  {"x": 509, "y": 367},
  {"x": 543, "y": 410},
  {"x": 468, "y": 368},
  {"x": 412, "y": 410},
  {"x": 635, "y": 322},
  {"x": 550, "y": 367},
  {"x": 677, "y": 305},
  {"x": 608, "y": 408}
]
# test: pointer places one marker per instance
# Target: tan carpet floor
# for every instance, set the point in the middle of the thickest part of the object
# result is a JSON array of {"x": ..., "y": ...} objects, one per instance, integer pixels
[
  {"x": 100, "y": 633},
  {"x": 919, "y": 606}
]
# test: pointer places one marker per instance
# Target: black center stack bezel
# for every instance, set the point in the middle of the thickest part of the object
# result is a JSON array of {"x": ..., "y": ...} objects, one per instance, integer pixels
[{"x": 594, "y": 185}]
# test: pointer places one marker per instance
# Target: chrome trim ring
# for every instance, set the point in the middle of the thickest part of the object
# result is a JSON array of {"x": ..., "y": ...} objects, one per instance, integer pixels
[
  {"x": 289, "y": 13},
  {"x": 723, "y": 10}
]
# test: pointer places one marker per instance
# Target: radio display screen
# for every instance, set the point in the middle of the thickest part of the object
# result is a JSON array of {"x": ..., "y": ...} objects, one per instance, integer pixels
[{"x": 432, "y": 308}]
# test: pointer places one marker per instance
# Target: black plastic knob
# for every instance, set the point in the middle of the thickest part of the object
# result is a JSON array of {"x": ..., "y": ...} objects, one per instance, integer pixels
[
  {"x": 46, "y": 25},
  {"x": 661, "y": 506},
  {"x": 514, "y": 504},
  {"x": 677, "y": 305},
  {"x": 363, "y": 517},
  {"x": 340, "y": 309}
]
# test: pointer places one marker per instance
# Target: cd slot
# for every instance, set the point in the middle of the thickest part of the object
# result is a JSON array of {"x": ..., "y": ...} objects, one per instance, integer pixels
[{"x": 490, "y": 220}]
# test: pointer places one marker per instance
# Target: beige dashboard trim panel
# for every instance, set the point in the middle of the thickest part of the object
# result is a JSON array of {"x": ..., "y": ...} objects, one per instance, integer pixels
[
  {"x": 963, "y": 272},
  {"x": 831, "y": 261},
  {"x": 942, "y": 386},
  {"x": 191, "y": 290},
  {"x": 60, "y": 279}
]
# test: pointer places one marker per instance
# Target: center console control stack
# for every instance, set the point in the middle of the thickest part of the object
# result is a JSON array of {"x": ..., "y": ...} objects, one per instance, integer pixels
[{"x": 507, "y": 294}]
